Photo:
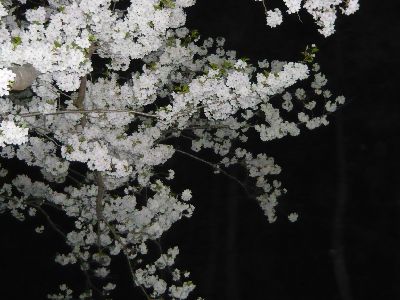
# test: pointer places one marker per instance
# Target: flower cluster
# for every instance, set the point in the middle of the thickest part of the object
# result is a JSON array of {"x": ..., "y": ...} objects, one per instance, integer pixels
[
  {"x": 12, "y": 134},
  {"x": 6, "y": 79},
  {"x": 323, "y": 12}
]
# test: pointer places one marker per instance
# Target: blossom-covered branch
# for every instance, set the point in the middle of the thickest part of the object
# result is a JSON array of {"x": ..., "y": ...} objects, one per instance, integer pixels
[
  {"x": 66, "y": 100},
  {"x": 324, "y": 12}
]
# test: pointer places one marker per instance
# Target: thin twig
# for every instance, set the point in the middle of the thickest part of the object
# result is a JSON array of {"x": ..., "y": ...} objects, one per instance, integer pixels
[
  {"x": 214, "y": 166},
  {"x": 265, "y": 6},
  {"x": 126, "y": 254},
  {"x": 49, "y": 220},
  {"x": 55, "y": 227}
]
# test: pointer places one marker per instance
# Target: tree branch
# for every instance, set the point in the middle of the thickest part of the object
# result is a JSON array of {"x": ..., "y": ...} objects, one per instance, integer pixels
[
  {"x": 55, "y": 227},
  {"x": 126, "y": 254},
  {"x": 83, "y": 111},
  {"x": 216, "y": 167},
  {"x": 99, "y": 204}
]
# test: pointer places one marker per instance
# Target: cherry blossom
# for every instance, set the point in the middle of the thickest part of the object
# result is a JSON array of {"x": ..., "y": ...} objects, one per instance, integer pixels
[{"x": 98, "y": 98}]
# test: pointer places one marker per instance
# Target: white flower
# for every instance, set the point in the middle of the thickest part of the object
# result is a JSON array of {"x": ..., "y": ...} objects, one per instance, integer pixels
[
  {"x": 36, "y": 15},
  {"x": 330, "y": 106},
  {"x": 351, "y": 6},
  {"x": 274, "y": 17},
  {"x": 340, "y": 100},
  {"x": 293, "y": 217},
  {"x": 293, "y": 5},
  {"x": 186, "y": 195},
  {"x": 12, "y": 134},
  {"x": 181, "y": 292},
  {"x": 39, "y": 229},
  {"x": 101, "y": 272},
  {"x": 171, "y": 174},
  {"x": 3, "y": 11},
  {"x": 32, "y": 211},
  {"x": 109, "y": 286},
  {"x": 6, "y": 79},
  {"x": 185, "y": 3}
]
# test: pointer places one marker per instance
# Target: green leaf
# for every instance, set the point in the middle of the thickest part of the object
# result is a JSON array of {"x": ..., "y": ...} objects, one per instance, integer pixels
[
  {"x": 69, "y": 149},
  {"x": 57, "y": 44},
  {"x": 194, "y": 34},
  {"x": 214, "y": 66},
  {"x": 164, "y": 4},
  {"x": 153, "y": 66},
  {"x": 227, "y": 64},
  {"x": 16, "y": 41},
  {"x": 181, "y": 89},
  {"x": 266, "y": 73},
  {"x": 92, "y": 38},
  {"x": 309, "y": 54},
  {"x": 171, "y": 41}
]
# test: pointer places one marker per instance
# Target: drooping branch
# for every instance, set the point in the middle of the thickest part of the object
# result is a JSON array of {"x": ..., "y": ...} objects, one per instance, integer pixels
[
  {"x": 54, "y": 226},
  {"x": 215, "y": 167},
  {"x": 126, "y": 253},
  {"x": 49, "y": 220}
]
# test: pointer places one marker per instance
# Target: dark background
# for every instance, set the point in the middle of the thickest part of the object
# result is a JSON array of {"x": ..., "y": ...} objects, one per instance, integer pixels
[{"x": 342, "y": 179}]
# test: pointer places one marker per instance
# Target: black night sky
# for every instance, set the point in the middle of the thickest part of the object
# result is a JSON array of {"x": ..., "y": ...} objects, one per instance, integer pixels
[{"x": 343, "y": 180}]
